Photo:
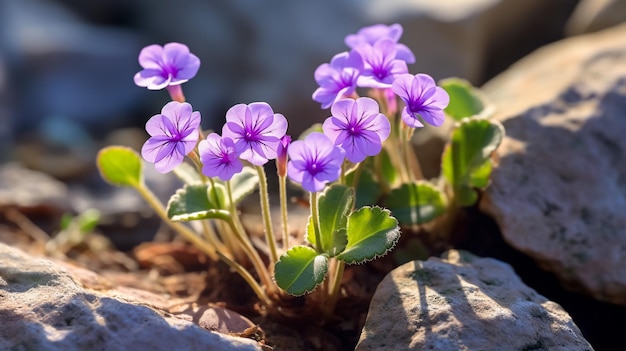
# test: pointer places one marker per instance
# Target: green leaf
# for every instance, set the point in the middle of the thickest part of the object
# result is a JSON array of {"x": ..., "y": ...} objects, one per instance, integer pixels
[
  {"x": 372, "y": 232},
  {"x": 368, "y": 190},
  {"x": 416, "y": 203},
  {"x": 195, "y": 201},
  {"x": 300, "y": 270},
  {"x": 88, "y": 220},
  {"x": 465, "y": 100},
  {"x": 244, "y": 183},
  {"x": 120, "y": 166},
  {"x": 385, "y": 168},
  {"x": 187, "y": 173},
  {"x": 466, "y": 162},
  {"x": 334, "y": 206}
]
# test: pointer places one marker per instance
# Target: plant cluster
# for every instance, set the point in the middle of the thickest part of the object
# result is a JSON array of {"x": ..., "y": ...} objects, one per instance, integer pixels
[{"x": 358, "y": 167}]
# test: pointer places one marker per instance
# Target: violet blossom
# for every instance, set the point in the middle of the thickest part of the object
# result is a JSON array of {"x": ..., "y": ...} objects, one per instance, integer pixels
[
  {"x": 256, "y": 131},
  {"x": 370, "y": 35},
  {"x": 281, "y": 159},
  {"x": 173, "y": 134},
  {"x": 337, "y": 79},
  {"x": 168, "y": 65},
  {"x": 219, "y": 157},
  {"x": 358, "y": 127},
  {"x": 314, "y": 161},
  {"x": 380, "y": 64},
  {"x": 422, "y": 97}
]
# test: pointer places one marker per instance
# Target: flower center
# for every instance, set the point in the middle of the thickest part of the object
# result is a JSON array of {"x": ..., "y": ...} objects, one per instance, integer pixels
[
  {"x": 313, "y": 168},
  {"x": 251, "y": 135}
]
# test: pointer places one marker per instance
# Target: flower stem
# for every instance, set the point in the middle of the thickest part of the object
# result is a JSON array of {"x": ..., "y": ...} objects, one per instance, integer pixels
[
  {"x": 258, "y": 290},
  {"x": 267, "y": 219},
  {"x": 176, "y": 92},
  {"x": 315, "y": 217},
  {"x": 240, "y": 234},
  {"x": 333, "y": 293},
  {"x": 187, "y": 233},
  {"x": 282, "y": 185},
  {"x": 197, "y": 241}
]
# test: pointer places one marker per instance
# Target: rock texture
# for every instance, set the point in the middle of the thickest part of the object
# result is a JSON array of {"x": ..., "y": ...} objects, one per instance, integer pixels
[
  {"x": 559, "y": 192},
  {"x": 594, "y": 15},
  {"x": 43, "y": 307},
  {"x": 463, "y": 302}
]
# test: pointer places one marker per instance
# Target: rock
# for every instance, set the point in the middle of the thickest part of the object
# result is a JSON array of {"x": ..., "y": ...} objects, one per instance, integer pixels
[
  {"x": 45, "y": 308},
  {"x": 31, "y": 190},
  {"x": 463, "y": 302},
  {"x": 559, "y": 191},
  {"x": 594, "y": 15}
]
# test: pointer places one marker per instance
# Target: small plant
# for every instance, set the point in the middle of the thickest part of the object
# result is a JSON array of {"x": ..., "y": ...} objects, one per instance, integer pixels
[
  {"x": 73, "y": 231},
  {"x": 358, "y": 168}
]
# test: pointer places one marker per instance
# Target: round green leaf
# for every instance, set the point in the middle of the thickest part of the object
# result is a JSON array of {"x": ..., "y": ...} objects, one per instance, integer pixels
[
  {"x": 192, "y": 202},
  {"x": 244, "y": 183},
  {"x": 465, "y": 99},
  {"x": 386, "y": 168},
  {"x": 187, "y": 173},
  {"x": 416, "y": 203},
  {"x": 300, "y": 270},
  {"x": 334, "y": 206},
  {"x": 120, "y": 166},
  {"x": 466, "y": 154},
  {"x": 372, "y": 232},
  {"x": 368, "y": 190}
]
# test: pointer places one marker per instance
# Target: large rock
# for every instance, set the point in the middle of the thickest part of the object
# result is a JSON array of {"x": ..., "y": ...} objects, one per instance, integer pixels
[
  {"x": 594, "y": 15},
  {"x": 43, "y": 307},
  {"x": 559, "y": 191},
  {"x": 463, "y": 302}
]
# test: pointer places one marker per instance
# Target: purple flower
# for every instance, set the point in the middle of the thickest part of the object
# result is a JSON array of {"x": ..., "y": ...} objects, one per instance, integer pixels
[
  {"x": 256, "y": 131},
  {"x": 380, "y": 64},
  {"x": 219, "y": 157},
  {"x": 358, "y": 127},
  {"x": 173, "y": 134},
  {"x": 370, "y": 35},
  {"x": 337, "y": 79},
  {"x": 167, "y": 65},
  {"x": 422, "y": 97},
  {"x": 281, "y": 159},
  {"x": 314, "y": 161}
]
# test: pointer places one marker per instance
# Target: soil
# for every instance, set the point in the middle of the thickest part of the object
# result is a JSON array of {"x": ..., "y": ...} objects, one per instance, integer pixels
[{"x": 171, "y": 266}]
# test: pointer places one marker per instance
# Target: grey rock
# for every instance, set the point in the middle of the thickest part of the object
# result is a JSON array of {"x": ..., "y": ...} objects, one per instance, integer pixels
[
  {"x": 559, "y": 191},
  {"x": 28, "y": 189},
  {"x": 463, "y": 302},
  {"x": 44, "y": 308},
  {"x": 594, "y": 15}
]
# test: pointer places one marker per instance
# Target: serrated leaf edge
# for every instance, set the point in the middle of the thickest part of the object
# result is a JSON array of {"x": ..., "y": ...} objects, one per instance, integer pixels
[
  {"x": 376, "y": 256},
  {"x": 305, "y": 291}
]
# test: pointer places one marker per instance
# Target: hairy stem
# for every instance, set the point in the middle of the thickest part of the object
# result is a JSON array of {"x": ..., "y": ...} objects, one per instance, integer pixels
[
  {"x": 267, "y": 219},
  {"x": 282, "y": 184},
  {"x": 333, "y": 292},
  {"x": 240, "y": 234},
  {"x": 183, "y": 230},
  {"x": 315, "y": 217},
  {"x": 197, "y": 241}
]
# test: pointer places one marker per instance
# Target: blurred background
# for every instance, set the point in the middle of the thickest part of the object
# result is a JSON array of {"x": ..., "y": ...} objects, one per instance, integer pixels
[{"x": 67, "y": 66}]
